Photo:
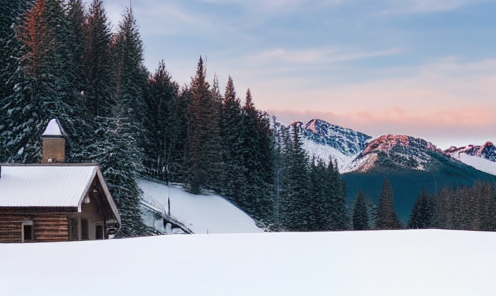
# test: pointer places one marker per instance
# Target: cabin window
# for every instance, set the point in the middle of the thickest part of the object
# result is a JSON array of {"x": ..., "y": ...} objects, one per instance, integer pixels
[
  {"x": 27, "y": 231},
  {"x": 84, "y": 230},
  {"x": 99, "y": 231}
]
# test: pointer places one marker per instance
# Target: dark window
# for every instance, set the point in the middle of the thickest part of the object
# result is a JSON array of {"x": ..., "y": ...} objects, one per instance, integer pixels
[
  {"x": 28, "y": 232},
  {"x": 99, "y": 231},
  {"x": 73, "y": 230},
  {"x": 84, "y": 229}
]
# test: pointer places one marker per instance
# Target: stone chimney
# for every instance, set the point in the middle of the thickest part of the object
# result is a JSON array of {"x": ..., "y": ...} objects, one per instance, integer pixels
[{"x": 53, "y": 143}]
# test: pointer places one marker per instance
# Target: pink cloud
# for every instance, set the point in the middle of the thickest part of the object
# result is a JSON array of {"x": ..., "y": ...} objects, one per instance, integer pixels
[{"x": 454, "y": 126}]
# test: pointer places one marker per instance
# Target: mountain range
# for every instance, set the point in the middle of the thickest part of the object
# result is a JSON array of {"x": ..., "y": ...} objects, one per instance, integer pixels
[{"x": 410, "y": 164}]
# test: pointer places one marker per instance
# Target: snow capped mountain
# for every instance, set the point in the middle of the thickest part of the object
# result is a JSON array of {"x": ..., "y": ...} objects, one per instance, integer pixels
[
  {"x": 482, "y": 157},
  {"x": 323, "y": 140},
  {"x": 396, "y": 152}
]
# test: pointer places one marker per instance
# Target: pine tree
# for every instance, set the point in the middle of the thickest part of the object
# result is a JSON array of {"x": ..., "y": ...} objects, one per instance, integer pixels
[
  {"x": 115, "y": 150},
  {"x": 294, "y": 201},
  {"x": 421, "y": 214},
  {"x": 76, "y": 20},
  {"x": 232, "y": 132},
  {"x": 130, "y": 75},
  {"x": 11, "y": 82},
  {"x": 97, "y": 61},
  {"x": 257, "y": 155},
  {"x": 161, "y": 123},
  {"x": 203, "y": 145},
  {"x": 42, "y": 85},
  {"x": 337, "y": 203},
  {"x": 318, "y": 201},
  {"x": 360, "y": 212},
  {"x": 386, "y": 214}
]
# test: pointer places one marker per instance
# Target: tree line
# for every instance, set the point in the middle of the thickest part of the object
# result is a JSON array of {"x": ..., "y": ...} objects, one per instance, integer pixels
[{"x": 458, "y": 208}]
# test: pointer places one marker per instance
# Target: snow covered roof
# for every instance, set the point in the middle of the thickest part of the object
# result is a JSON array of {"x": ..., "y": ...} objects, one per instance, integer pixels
[
  {"x": 54, "y": 129},
  {"x": 49, "y": 186}
]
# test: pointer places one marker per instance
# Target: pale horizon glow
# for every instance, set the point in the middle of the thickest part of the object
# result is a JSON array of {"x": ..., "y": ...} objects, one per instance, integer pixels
[{"x": 421, "y": 68}]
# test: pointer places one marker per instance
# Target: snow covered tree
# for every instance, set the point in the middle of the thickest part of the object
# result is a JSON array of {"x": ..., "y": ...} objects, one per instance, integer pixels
[
  {"x": 360, "y": 212},
  {"x": 130, "y": 76},
  {"x": 115, "y": 150},
  {"x": 386, "y": 214},
  {"x": 42, "y": 85},
  {"x": 11, "y": 15},
  {"x": 76, "y": 20}
]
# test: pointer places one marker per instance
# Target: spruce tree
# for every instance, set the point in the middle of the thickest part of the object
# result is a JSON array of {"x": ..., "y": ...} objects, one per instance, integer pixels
[
  {"x": 294, "y": 202},
  {"x": 232, "y": 132},
  {"x": 421, "y": 215},
  {"x": 115, "y": 150},
  {"x": 203, "y": 156},
  {"x": 130, "y": 76},
  {"x": 42, "y": 85},
  {"x": 12, "y": 14},
  {"x": 386, "y": 214},
  {"x": 257, "y": 155},
  {"x": 76, "y": 20},
  {"x": 97, "y": 61},
  {"x": 161, "y": 123},
  {"x": 361, "y": 219},
  {"x": 336, "y": 199}
]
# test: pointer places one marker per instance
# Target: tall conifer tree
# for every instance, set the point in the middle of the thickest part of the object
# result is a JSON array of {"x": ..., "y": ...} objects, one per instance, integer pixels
[
  {"x": 162, "y": 128},
  {"x": 98, "y": 68},
  {"x": 232, "y": 132},
  {"x": 361, "y": 218},
  {"x": 203, "y": 145},
  {"x": 386, "y": 214}
]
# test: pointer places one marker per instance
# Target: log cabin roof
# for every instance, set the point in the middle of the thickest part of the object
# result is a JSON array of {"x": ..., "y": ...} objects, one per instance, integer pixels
[{"x": 50, "y": 186}]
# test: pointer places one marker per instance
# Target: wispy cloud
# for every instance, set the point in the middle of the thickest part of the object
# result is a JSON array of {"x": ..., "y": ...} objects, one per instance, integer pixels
[
  {"x": 395, "y": 7},
  {"x": 317, "y": 55}
]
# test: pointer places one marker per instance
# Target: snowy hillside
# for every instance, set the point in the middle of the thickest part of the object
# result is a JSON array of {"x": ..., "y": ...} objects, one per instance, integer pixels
[
  {"x": 424, "y": 262},
  {"x": 324, "y": 152},
  {"x": 481, "y": 157},
  {"x": 479, "y": 163},
  {"x": 200, "y": 213}
]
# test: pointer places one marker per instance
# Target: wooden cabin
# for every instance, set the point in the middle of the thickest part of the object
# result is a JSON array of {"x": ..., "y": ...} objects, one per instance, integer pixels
[{"x": 54, "y": 201}]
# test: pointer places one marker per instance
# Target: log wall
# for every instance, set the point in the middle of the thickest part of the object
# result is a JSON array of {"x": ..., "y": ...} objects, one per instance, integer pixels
[{"x": 48, "y": 226}]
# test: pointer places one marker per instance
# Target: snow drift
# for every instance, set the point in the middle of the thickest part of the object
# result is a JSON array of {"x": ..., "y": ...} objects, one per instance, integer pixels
[{"x": 423, "y": 262}]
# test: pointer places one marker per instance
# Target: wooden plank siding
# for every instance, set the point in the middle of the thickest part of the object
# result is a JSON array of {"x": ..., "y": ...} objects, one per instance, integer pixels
[{"x": 48, "y": 226}]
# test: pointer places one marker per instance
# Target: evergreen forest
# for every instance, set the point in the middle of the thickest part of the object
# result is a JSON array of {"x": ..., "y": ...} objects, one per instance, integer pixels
[{"x": 60, "y": 59}]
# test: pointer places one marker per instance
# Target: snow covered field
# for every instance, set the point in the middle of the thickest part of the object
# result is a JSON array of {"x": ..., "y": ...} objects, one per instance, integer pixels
[
  {"x": 426, "y": 262},
  {"x": 201, "y": 213}
]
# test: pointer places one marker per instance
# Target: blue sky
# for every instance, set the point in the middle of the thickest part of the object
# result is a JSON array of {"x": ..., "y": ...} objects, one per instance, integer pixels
[{"x": 425, "y": 68}]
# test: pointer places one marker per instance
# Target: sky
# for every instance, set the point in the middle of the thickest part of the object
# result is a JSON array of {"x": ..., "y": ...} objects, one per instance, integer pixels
[{"x": 425, "y": 68}]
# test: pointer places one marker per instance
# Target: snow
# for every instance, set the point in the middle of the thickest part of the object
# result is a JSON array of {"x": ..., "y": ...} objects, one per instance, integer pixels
[
  {"x": 44, "y": 185},
  {"x": 477, "y": 162},
  {"x": 323, "y": 152},
  {"x": 200, "y": 213},
  {"x": 53, "y": 129},
  {"x": 407, "y": 262}
]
